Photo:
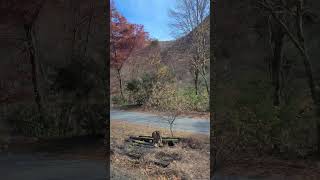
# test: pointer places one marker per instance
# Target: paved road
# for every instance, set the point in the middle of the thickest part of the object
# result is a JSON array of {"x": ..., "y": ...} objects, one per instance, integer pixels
[
  {"x": 181, "y": 123},
  {"x": 40, "y": 167}
]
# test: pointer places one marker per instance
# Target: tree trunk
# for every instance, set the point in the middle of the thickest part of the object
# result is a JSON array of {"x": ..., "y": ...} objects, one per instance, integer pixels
[
  {"x": 196, "y": 81},
  {"x": 88, "y": 30},
  {"x": 213, "y": 93},
  {"x": 308, "y": 67},
  {"x": 120, "y": 82},
  {"x": 171, "y": 130},
  {"x": 31, "y": 51},
  {"x": 203, "y": 74},
  {"x": 300, "y": 45},
  {"x": 276, "y": 66}
]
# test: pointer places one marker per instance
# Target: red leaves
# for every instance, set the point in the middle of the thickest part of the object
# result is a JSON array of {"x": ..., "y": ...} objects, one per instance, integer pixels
[{"x": 125, "y": 38}]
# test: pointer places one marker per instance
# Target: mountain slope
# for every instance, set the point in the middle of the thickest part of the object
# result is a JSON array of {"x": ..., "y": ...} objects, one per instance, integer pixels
[{"x": 174, "y": 54}]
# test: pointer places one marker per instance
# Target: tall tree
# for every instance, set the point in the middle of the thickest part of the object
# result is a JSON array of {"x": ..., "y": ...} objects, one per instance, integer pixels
[
  {"x": 188, "y": 17},
  {"x": 26, "y": 14},
  {"x": 125, "y": 39},
  {"x": 276, "y": 40},
  {"x": 293, "y": 27},
  {"x": 29, "y": 27}
]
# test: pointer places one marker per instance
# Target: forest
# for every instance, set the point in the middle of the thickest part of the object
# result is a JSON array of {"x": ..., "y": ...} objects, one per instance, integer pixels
[
  {"x": 267, "y": 86},
  {"x": 53, "y": 74},
  {"x": 250, "y": 66},
  {"x": 159, "y": 91},
  {"x": 147, "y": 72}
]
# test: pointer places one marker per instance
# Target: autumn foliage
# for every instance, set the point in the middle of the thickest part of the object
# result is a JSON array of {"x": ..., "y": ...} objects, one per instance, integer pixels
[{"x": 125, "y": 39}]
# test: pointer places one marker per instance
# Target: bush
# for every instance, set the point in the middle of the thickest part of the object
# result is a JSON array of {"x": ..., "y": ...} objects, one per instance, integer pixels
[
  {"x": 118, "y": 100},
  {"x": 133, "y": 86},
  {"x": 257, "y": 124},
  {"x": 140, "y": 89},
  {"x": 193, "y": 101},
  {"x": 60, "y": 119}
]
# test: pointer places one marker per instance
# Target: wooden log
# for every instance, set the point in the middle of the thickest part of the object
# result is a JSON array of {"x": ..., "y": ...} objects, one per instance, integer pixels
[
  {"x": 145, "y": 136},
  {"x": 162, "y": 137},
  {"x": 147, "y": 139},
  {"x": 141, "y": 142}
]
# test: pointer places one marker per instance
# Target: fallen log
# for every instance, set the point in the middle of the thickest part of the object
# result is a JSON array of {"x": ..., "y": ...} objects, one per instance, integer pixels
[
  {"x": 163, "y": 138},
  {"x": 140, "y": 142},
  {"x": 146, "y": 139}
]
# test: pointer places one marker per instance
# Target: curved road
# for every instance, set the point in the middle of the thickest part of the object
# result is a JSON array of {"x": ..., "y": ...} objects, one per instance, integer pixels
[{"x": 181, "y": 124}]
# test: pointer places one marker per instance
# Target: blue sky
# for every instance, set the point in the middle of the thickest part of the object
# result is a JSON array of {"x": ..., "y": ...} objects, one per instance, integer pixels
[{"x": 153, "y": 14}]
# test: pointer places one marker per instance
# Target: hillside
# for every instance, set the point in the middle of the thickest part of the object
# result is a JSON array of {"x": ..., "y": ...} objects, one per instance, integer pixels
[{"x": 173, "y": 54}]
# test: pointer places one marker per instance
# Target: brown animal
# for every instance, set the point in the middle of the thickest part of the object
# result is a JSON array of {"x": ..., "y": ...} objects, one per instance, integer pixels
[{"x": 157, "y": 139}]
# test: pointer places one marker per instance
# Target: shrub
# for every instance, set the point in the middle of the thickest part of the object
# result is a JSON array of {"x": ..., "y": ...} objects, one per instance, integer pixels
[
  {"x": 118, "y": 100},
  {"x": 133, "y": 85},
  {"x": 256, "y": 123},
  {"x": 193, "y": 101},
  {"x": 252, "y": 117},
  {"x": 140, "y": 89}
]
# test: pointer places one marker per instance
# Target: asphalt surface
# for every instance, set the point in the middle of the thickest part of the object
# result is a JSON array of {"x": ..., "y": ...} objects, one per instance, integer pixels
[{"x": 181, "y": 124}]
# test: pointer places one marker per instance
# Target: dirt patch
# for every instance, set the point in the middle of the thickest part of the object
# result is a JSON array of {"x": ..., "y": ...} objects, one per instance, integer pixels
[{"x": 180, "y": 161}]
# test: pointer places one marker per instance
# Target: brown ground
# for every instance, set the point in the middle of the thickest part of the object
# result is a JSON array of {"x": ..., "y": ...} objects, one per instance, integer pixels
[
  {"x": 272, "y": 167},
  {"x": 193, "y": 161}
]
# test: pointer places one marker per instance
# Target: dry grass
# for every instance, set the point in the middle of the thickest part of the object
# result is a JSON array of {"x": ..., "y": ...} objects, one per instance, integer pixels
[{"x": 191, "y": 157}]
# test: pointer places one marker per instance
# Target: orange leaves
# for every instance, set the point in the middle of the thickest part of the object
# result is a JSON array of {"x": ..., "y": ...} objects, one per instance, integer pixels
[{"x": 125, "y": 38}]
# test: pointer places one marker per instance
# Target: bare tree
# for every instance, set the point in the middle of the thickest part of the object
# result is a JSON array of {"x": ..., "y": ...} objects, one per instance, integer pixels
[
  {"x": 276, "y": 41},
  {"x": 170, "y": 118},
  {"x": 165, "y": 97},
  {"x": 297, "y": 12},
  {"x": 188, "y": 16},
  {"x": 29, "y": 19},
  {"x": 201, "y": 53}
]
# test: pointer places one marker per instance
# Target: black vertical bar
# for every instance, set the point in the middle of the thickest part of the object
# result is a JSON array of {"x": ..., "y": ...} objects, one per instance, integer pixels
[
  {"x": 107, "y": 87},
  {"x": 213, "y": 85}
]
